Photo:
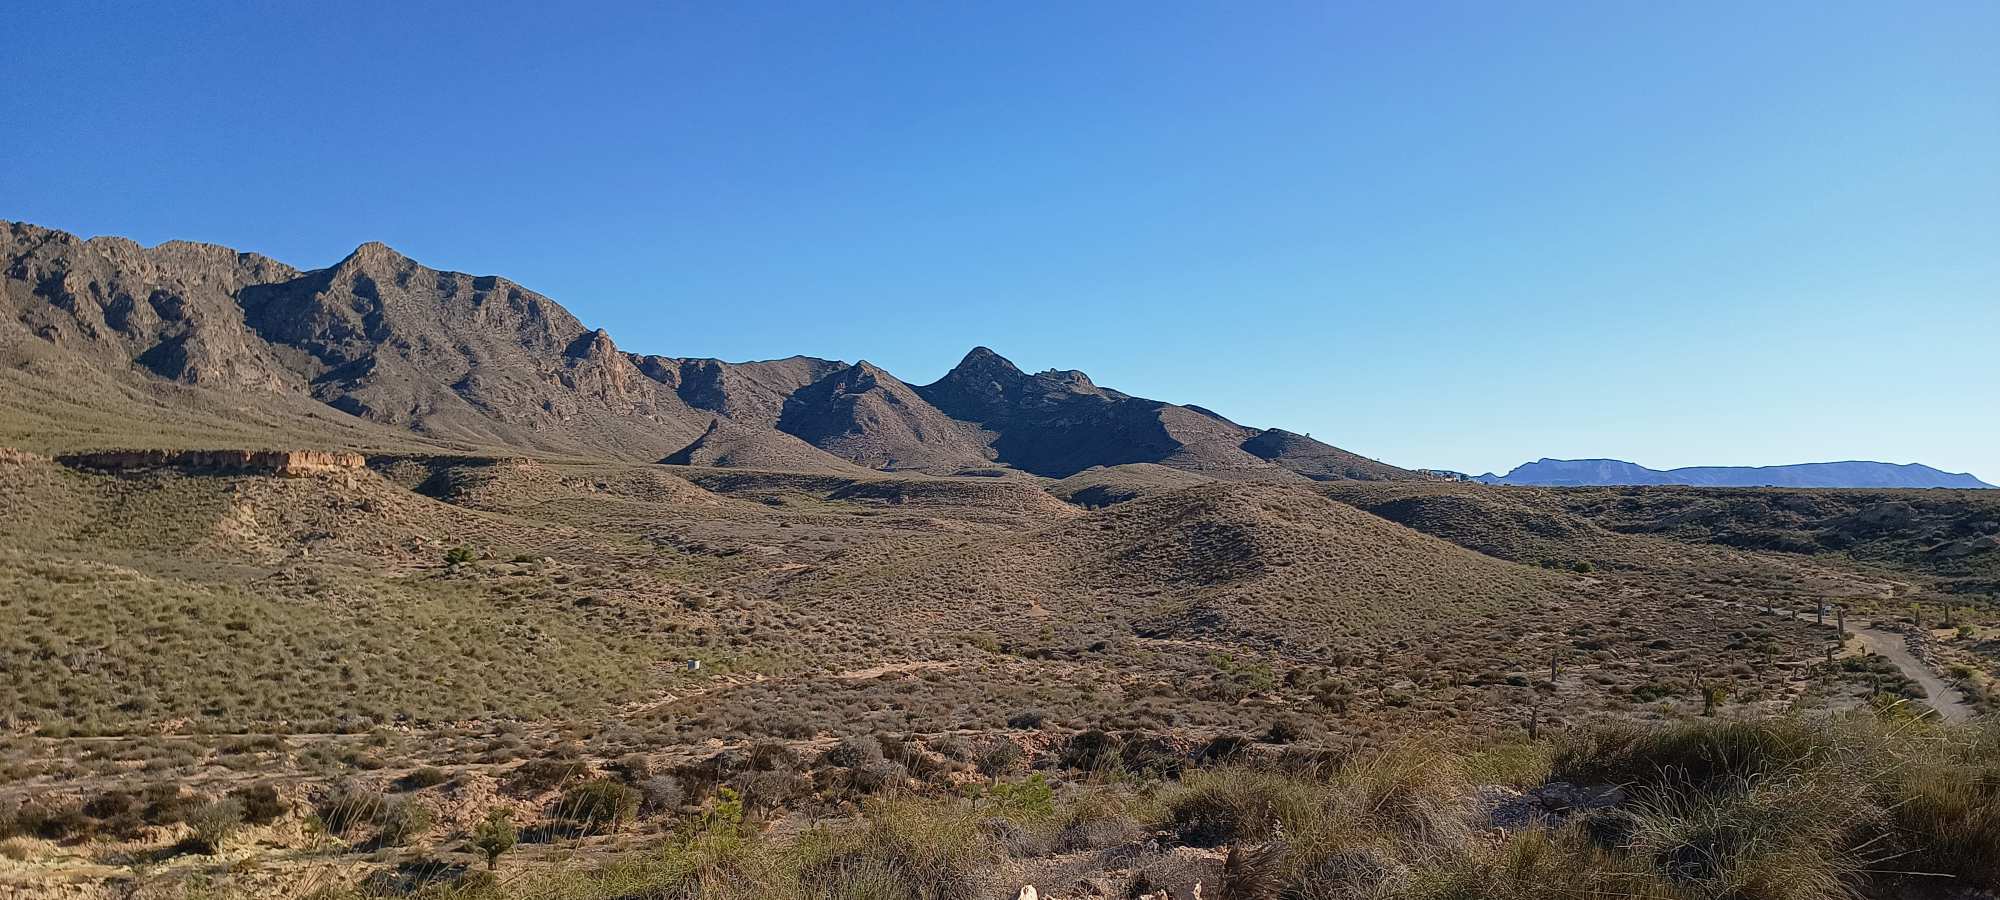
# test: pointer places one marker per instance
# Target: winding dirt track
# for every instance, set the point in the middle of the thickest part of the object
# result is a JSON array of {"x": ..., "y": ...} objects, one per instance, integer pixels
[{"x": 1890, "y": 646}]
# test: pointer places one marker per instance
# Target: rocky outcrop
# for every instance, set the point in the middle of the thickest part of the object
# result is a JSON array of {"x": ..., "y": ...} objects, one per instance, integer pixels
[{"x": 254, "y": 462}]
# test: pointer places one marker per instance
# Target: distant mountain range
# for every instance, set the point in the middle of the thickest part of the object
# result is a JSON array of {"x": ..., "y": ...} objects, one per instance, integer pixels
[
  {"x": 1851, "y": 474},
  {"x": 105, "y": 342}
]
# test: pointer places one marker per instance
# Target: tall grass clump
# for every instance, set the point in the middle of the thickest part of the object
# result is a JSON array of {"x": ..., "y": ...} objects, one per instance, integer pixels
[
  {"x": 906, "y": 848},
  {"x": 1685, "y": 755},
  {"x": 1947, "y": 808}
]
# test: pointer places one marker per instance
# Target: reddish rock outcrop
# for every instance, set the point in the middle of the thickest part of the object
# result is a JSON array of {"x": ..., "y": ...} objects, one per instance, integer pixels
[{"x": 260, "y": 462}]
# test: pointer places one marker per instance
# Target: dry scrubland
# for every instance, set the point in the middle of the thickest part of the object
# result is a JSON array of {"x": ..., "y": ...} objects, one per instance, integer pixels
[{"x": 1126, "y": 681}]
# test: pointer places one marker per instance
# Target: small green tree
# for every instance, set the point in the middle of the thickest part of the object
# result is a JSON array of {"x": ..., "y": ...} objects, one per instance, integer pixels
[
  {"x": 495, "y": 835},
  {"x": 458, "y": 556}
]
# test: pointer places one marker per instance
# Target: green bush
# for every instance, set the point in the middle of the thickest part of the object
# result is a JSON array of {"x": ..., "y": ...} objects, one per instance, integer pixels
[
  {"x": 599, "y": 803},
  {"x": 213, "y": 823},
  {"x": 1032, "y": 798},
  {"x": 1227, "y": 806},
  {"x": 495, "y": 835},
  {"x": 402, "y": 820}
]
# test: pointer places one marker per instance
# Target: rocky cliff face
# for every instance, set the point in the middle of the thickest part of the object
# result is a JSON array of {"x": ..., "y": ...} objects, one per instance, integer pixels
[
  {"x": 477, "y": 359},
  {"x": 481, "y": 362},
  {"x": 260, "y": 462},
  {"x": 169, "y": 310}
]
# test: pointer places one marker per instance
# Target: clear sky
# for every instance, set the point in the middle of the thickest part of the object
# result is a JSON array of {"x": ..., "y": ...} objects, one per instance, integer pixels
[{"x": 1449, "y": 235}]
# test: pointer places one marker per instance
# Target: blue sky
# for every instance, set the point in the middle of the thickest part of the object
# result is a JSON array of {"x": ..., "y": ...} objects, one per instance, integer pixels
[{"x": 1442, "y": 234}]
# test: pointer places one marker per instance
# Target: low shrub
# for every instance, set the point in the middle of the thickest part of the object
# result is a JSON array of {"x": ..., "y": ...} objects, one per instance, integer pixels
[
  {"x": 261, "y": 803},
  {"x": 1226, "y": 806},
  {"x": 212, "y": 824},
  {"x": 350, "y": 806},
  {"x": 599, "y": 803},
  {"x": 1092, "y": 751},
  {"x": 1027, "y": 720},
  {"x": 426, "y": 777},
  {"x": 539, "y": 775},
  {"x": 401, "y": 821},
  {"x": 1692, "y": 754}
]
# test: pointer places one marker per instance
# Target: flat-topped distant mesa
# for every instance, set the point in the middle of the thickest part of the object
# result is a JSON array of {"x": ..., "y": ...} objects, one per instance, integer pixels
[{"x": 259, "y": 462}]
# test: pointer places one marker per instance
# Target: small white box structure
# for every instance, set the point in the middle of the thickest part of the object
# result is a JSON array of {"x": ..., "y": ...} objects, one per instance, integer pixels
[{"x": 694, "y": 665}]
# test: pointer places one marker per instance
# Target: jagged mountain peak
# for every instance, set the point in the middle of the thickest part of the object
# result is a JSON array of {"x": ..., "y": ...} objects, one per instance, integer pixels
[
  {"x": 871, "y": 417},
  {"x": 983, "y": 361},
  {"x": 480, "y": 361},
  {"x": 376, "y": 253},
  {"x": 988, "y": 388},
  {"x": 860, "y": 377}
]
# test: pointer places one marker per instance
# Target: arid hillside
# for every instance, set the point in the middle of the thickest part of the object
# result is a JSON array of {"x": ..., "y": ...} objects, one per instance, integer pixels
[
  {"x": 1948, "y": 538},
  {"x": 109, "y": 344},
  {"x": 455, "y": 633},
  {"x": 382, "y": 580}
]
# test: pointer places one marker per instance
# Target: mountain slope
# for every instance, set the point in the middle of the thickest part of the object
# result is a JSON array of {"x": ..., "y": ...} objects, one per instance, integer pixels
[
  {"x": 730, "y": 445},
  {"x": 866, "y": 415},
  {"x": 108, "y": 343},
  {"x": 752, "y": 393},
  {"x": 1058, "y": 423},
  {"x": 479, "y": 359},
  {"x": 1321, "y": 462},
  {"x": 1851, "y": 474},
  {"x": 451, "y": 358}
]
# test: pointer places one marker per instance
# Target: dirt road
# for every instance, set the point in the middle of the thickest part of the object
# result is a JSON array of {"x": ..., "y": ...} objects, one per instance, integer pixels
[{"x": 1891, "y": 646}]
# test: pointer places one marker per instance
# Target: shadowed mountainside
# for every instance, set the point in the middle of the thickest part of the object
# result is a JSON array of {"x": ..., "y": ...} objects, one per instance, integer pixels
[{"x": 105, "y": 340}]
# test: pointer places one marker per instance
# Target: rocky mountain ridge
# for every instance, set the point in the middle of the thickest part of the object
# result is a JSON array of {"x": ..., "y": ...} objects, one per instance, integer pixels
[{"x": 382, "y": 346}]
